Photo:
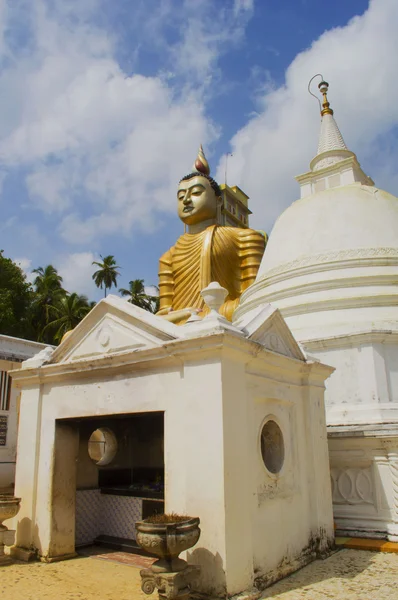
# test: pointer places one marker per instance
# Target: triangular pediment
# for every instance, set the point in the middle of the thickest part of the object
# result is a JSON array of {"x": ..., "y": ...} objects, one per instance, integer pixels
[
  {"x": 267, "y": 327},
  {"x": 114, "y": 326}
]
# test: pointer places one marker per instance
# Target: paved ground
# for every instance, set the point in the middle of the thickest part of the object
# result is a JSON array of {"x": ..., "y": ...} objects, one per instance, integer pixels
[{"x": 346, "y": 575}]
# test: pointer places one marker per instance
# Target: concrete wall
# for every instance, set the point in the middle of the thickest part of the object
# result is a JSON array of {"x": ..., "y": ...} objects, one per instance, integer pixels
[
  {"x": 215, "y": 396},
  {"x": 265, "y": 510},
  {"x": 194, "y": 479},
  {"x": 364, "y": 387}
]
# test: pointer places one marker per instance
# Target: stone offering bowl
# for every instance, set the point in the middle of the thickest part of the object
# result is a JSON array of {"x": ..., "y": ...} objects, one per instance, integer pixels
[
  {"x": 167, "y": 540},
  {"x": 9, "y": 508}
]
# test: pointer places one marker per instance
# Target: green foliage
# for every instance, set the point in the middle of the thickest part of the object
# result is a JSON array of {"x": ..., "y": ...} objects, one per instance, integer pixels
[
  {"x": 107, "y": 274},
  {"x": 137, "y": 295},
  {"x": 66, "y": 313},
  {"x": 49, "y": 292},
  {"x": 45, "y": 311},
  {"x": 16, "y": 296}
]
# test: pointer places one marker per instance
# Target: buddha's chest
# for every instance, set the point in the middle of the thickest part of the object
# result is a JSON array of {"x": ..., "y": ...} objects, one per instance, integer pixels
[
  {"x": 210, "y": 256},
  {"x": 208, "y": 247}
]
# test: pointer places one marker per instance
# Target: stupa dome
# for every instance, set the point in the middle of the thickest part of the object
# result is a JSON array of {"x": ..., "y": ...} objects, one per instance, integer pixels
[
  {"x": 332, "y": 225},
  {"x": 331, "y": 263}
]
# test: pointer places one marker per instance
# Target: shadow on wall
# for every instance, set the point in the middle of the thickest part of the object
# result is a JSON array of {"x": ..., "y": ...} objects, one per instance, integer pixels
[
  {"x": 212, "y": 579},
  {"x": 26, "y": 538}
]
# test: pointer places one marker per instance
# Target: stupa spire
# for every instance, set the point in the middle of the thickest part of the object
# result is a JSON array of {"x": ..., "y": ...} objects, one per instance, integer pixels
[
  {"x": 334, "y": 164},
  {"x": 330, "y": 137}
]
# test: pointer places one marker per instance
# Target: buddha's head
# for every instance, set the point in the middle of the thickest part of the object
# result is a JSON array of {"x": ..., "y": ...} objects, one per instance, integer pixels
[{"x": 198, "y": 196}]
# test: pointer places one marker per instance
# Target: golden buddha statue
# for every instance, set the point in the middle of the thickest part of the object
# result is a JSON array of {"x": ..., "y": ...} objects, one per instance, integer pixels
[{"x": 207, "y": 252}]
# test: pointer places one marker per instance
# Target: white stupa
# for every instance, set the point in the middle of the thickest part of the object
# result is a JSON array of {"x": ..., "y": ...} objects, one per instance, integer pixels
[{"x": 331, "y": 267}]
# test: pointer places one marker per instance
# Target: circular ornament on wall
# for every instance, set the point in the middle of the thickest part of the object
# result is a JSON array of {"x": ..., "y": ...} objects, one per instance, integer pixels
[
  {"x": 102, "y": 446},
  {"x": 272, "y": 447}
]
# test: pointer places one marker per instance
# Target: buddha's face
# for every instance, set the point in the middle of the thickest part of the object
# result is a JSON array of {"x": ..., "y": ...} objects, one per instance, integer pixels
[{"x": 197, "y": 200}]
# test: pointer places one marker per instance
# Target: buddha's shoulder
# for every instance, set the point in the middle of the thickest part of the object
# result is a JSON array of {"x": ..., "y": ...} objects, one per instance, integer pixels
[
  {"x": 243, "y": 233},
  {"x": 168, "y": 255}
]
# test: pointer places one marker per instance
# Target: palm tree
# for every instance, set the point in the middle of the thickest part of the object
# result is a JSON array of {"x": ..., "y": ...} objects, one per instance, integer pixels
[
  {"x": 137, "y": 295},
  {"x": 107, "y": 274},
  {"x": 67, "y": 313},
  {"x": 48, "y": 291}
]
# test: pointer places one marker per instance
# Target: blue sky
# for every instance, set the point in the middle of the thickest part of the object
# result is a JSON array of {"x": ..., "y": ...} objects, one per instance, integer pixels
[{"x": 104, "y": 104}]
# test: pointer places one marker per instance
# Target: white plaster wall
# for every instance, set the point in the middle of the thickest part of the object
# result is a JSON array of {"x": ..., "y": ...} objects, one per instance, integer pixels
[
  {"x": 214, "y": 403},
  {"x": 191, "y": 399},
  {"x": 238, "y": 480},
  {"x": 364, "y": 387},
  {"x": 294, "y": 504}
]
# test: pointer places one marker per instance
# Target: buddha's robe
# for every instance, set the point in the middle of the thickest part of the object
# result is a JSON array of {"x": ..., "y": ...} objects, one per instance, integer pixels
[{"x": 228, "y": 255}]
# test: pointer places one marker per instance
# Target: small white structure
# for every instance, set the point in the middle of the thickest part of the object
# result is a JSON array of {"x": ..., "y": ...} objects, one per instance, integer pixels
[
  {"x": 12, "y": 352},
  {"x": 331, "y": 268},
  {"x": 245, "y": 444}
]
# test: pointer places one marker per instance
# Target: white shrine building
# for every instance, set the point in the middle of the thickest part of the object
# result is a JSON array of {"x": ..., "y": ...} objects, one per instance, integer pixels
[
  {"x": 211, "y": 420},
  {"x": 331, "y": 268}
]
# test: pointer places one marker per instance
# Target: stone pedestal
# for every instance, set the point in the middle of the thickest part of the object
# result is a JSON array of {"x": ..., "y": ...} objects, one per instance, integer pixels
[{"x": 171, "y": 586}]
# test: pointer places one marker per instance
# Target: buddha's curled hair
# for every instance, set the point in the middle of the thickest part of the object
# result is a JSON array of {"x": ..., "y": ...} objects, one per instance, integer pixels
[{"x": 212, "y": 181}]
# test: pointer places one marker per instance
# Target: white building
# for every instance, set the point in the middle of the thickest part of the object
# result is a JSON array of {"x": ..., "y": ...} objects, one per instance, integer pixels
[
  {"x": 213, "y": 421},
  {"x": 331, "y": 267},
  {"x": 12, "y": 352}
]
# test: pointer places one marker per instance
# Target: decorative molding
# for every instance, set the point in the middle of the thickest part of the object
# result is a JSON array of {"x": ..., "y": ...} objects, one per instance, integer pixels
[
  {"x": 330, "y": 257},
  {"x": 352, "y": 485},
  {"x": 273, "y": 342},
  {"x": 315, "y": 264},
  {"x": 376, "y": 430},
  {"x": 325, "y": 285},
  {"x": 269, "y": 329},
  {"x": 393, "y": 464},
  {"x": 352, "y": 339},
  {"x": 330, "y": 137}
]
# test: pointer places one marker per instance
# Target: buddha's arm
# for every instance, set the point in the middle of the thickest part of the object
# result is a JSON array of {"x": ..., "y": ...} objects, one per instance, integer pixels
[
  {"x": 251, "y": 250},
  {"x": 166, "y": 283}
]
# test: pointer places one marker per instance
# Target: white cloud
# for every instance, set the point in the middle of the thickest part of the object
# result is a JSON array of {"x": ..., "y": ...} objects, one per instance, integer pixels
[
  {"x": 77, "y": 270},
  {"x": 25, "y": 264},
  {"x": 207, "y": 34},
  {"x": 151, "y": 290},
  {"x": 243, "y": 5},
  {"x": 359, "y": 61},
  {"x": 103, "y": 149}
]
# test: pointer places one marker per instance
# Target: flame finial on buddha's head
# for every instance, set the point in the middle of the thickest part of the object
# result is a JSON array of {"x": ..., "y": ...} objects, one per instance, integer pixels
[{"x": 201, "y": 164}]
